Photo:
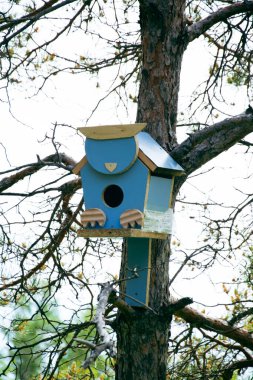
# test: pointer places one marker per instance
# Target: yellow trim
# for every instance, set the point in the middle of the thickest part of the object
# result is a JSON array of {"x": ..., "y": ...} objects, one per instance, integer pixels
[
  {"x": 110, "y": 166},
  {"x": 149, "y": 271},
  {"x": 171, "y": 191},
  {"x": 146, "y": 161},
  {"x": 147, "y": 192},
  {"x": 79, "y": 165},
  {"x": 107, "y": 132}
]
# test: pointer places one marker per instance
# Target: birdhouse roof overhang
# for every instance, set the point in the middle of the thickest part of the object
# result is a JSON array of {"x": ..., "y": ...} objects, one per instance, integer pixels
[
  {"x": 158, "y": 161},
  {"x": 156, "y": 158},
  {"x": 111, "y": 132}
]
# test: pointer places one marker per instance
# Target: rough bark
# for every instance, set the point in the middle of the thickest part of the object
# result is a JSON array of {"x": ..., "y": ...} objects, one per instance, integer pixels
[
  {"x": 163, "y": 35},
  {"x": 142, "y": 346}
]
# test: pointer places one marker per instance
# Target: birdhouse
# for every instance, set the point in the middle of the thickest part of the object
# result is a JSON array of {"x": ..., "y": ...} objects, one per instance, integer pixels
[
  {"x": 127, "y": 187},
  {"x": 127, "y": 183}
]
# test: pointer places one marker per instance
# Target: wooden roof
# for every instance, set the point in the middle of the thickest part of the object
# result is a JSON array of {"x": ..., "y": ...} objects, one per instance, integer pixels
[{"x": 108, "y": 132}]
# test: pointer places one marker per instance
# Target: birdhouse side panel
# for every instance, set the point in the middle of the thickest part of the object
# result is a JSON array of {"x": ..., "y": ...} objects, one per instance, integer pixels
[
  {"x": 115, "y": 194},
  {"x": 158, "y": 215},
  {"x": 159, "y": 193},
  {"x": 111, "y": 156}
]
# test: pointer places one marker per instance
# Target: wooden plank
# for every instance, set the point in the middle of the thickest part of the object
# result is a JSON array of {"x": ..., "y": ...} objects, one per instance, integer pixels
[
  {"x": 120, "y": 154},
  {"x": 146, "y": 160},
  {"x": 79, "y": 166},
  {"x": 131, "y": 217},
  {"x": 106, "y": 132},
  {"x": 123, "y": 232},
  {"x": 138, "y": 275},
  {"x": 171, "y": 192}
]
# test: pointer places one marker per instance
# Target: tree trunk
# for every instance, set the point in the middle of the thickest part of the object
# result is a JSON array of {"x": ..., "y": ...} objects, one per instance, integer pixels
[
  {"x": 142, "y": 346},
  {"x": 143, "y": 337},
  {"x": 163, "y": 44}
]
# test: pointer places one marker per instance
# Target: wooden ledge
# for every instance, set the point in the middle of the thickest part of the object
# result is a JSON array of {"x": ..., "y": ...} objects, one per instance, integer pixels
[{"x": 124, "y": 232}]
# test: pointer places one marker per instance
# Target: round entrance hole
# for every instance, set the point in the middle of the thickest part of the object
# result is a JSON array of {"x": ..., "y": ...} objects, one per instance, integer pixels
[{"x": 113, "y": 196}]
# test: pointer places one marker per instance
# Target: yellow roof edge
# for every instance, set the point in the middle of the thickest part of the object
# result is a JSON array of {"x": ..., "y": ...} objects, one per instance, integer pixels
[{"x": 106, "y": 132}]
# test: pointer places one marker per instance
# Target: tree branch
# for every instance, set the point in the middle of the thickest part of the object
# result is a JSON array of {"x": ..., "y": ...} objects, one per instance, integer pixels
[
  {"x": 106, "y": 341},
  {"x": 48, "y": 7},
  {"x": 228, "y": 373},
  {"x": 198, "y": 28},
  {"x": 219, "y": 326},
  {"x": 58, "y": 159},
  {"x": 208, "y": 143}
]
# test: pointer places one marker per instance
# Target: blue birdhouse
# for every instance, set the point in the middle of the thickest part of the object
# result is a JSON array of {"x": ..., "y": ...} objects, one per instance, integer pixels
[
  {"x": 127, "y": 187},
  {"x": 127, "y": 183}
]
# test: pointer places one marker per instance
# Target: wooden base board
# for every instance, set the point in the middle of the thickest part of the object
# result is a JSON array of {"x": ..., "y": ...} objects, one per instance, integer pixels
[{"x": 124, "y": 232}]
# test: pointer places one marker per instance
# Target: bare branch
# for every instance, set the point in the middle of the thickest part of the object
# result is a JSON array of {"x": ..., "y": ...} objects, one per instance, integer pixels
[
  {"x": 34, "y": 16},
  {"x": 198, "y": 28},
  {"x": 106, "y": 341},
  {"x": 198, "y": 319},
  {"x": 58, "y": 160},
  {"x": 209, "y": 142}
]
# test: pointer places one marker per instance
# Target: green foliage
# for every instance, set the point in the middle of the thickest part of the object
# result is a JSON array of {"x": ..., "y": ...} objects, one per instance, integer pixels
[
  {"x": 37, "y": 339},
  {"x": 238, "y": 77}
]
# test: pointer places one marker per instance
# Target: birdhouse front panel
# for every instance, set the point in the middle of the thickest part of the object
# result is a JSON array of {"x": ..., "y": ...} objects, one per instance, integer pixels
[{"x": 115, "y": 194}]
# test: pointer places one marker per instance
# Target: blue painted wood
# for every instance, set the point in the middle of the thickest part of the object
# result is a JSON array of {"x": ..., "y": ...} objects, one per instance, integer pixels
[
  {"x": 132, "y": 182},
  {"x": 139, "y": 251},
  {"x": 157, "y": 154},
  {"x": 123, "y": 152},
  {"x": 159, "y": 193}
]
